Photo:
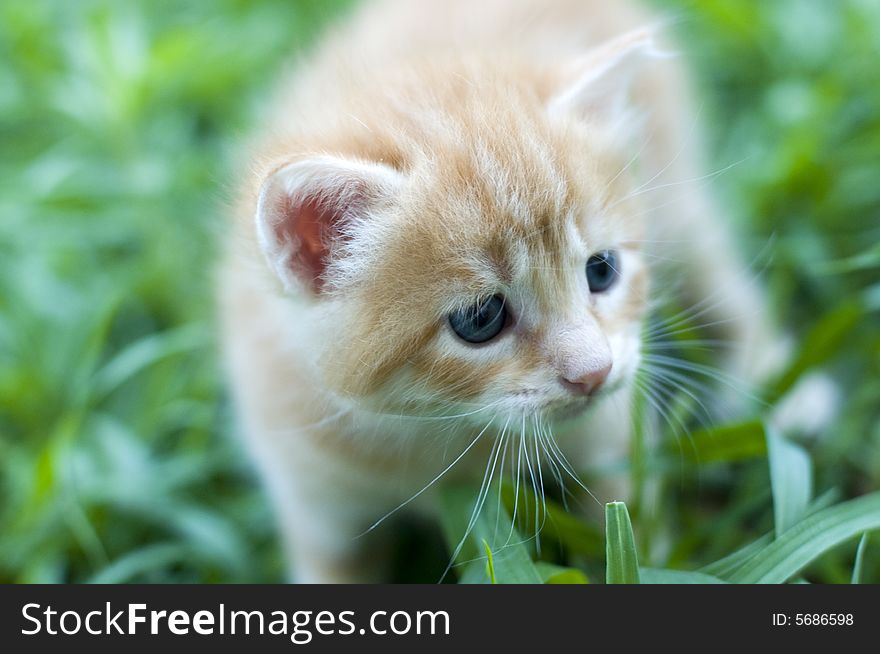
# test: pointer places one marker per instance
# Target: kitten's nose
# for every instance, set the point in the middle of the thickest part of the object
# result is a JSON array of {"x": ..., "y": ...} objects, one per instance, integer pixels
[{"x": 588, "y": 382}]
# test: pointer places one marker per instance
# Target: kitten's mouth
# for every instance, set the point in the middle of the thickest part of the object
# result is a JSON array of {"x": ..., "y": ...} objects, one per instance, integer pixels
[
  {"x": 567, "y": 409},
  {"x": 574, "y": 406}
]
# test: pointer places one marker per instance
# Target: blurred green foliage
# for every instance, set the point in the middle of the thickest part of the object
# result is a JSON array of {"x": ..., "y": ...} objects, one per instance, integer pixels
[
  {"x": 120, "y": 125},
  {"x": 791, "y": 89},
  {"x": 117, "y": 125}
]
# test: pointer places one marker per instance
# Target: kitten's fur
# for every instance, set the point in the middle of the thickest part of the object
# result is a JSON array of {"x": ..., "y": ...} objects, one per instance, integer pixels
[{"x": 432, "y": 153}]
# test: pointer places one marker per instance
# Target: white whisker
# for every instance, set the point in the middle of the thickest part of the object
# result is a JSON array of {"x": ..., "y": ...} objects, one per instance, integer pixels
[{"x": 431, "y": 483}]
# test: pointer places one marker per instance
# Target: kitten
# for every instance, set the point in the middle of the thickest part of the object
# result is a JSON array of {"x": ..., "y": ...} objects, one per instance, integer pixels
[{"x": 446, "y": 245}]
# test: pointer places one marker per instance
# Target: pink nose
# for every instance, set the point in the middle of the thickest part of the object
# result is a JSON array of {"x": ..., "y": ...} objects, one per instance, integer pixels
[{"x": 589, "y": 382}]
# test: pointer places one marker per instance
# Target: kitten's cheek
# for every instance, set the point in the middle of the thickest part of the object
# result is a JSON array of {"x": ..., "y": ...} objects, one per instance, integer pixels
[{"x": 626, "y": 352}]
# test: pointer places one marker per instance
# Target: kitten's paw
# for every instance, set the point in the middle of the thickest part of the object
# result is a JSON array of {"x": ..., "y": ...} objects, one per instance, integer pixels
[{"x": 808, "y": 408}]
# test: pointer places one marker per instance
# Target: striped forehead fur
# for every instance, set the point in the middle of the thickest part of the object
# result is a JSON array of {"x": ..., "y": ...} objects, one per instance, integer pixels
[{"x": 496, "y": 193}]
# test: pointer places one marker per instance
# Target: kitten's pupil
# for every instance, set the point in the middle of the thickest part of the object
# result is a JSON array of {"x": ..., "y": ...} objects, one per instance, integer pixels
[
  {"x": 481, "y": 322},
  {"x": 603, "y": 270}
]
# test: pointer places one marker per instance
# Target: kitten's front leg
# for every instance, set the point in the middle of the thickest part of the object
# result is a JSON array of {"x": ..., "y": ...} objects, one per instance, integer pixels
[
  {"x": 326, "y": 549},
  {"x": 324, "y": 507}
]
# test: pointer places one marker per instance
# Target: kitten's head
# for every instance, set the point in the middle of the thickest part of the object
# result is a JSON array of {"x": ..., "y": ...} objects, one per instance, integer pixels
[{"x": 480, "y": 254}]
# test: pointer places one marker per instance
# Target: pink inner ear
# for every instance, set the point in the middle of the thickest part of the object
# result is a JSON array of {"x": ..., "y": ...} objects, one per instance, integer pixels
[
  {"x": 308, "y": 225},
  {"x": 304, "y": 212}
]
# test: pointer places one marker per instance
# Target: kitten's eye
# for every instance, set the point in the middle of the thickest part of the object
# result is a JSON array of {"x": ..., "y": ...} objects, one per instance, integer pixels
[
  {"x": 481, "y": 322},
  {"x": 602, "y": 271}
]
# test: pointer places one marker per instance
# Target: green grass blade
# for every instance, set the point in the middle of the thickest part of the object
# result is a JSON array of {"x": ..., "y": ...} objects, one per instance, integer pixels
[
  {"x": 142, "y": 561},
  {"x": 622, "y": 563},
  {"x": 490, "y": 563},
  {"x": 556, "y": 574},
  {"x": 455, "y": 502},
  {"x": 809, "y": 539},
  {"x": 820, "y": 344},
  {"x": 864, "y": 260},
  {"x": 143, "y": 353},
  {"x": 860, "y": 560},
  {"x": 560, "y": 526},
  {"x": 791, "y": 480},
  {"x": 658, "y": 576},
  {"x": 726, "y": 443},
  {"x": 510, "y": 559},
  {"x": 726, "y": 567},
  {"x": 474, "y": 572}
]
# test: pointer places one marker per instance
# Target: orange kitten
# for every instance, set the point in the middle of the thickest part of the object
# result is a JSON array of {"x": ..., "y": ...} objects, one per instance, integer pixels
[{"x": 443, "y": 246}]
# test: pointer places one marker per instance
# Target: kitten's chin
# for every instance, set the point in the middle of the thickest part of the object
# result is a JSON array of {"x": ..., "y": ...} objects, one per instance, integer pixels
[
  {"x": 567, "y": 410},
  {"x": 570, "y": 408}
]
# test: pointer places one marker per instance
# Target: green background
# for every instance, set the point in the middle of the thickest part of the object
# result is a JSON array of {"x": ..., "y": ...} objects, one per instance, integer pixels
[{"x": 120, "y": 125}]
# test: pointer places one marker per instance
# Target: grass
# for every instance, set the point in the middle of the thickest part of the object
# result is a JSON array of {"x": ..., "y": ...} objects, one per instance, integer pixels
[{"x": 119, "y": 126}]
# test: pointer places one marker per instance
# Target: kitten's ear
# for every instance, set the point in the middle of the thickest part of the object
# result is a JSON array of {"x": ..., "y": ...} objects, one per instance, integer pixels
[
  {"x": 307, "y": 208},
  {"x": 596, "y": 85}
]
